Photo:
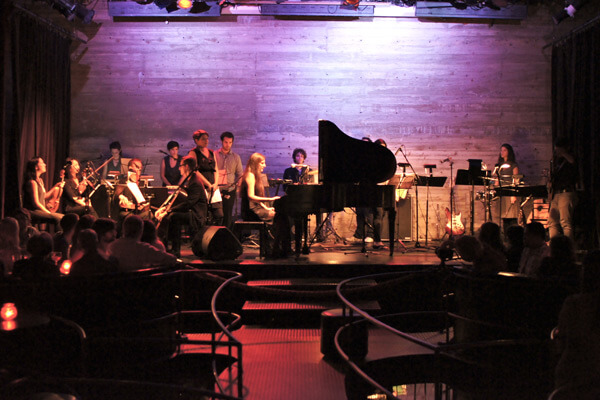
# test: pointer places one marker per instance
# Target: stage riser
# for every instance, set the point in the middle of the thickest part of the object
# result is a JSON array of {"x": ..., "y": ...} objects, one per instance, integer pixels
[{"x": 287, "y": 271}]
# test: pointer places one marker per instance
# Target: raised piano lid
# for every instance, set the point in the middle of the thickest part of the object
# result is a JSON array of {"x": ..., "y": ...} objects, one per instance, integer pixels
[{"x": 343, "y": 159}]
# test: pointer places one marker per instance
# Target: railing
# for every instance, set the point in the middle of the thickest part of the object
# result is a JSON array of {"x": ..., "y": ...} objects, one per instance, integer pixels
[
  {"x": 452, "y": 351},
  {"x": 226, "y": 333},
  {"x": 150, "y": 325}
]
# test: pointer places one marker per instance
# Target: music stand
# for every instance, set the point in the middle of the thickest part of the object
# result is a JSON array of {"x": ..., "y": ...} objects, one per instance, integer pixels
[
  {"x": 405, "y": 183},
  {"x": 471, "y": 177},
  {"x": 428, "y": 181}
]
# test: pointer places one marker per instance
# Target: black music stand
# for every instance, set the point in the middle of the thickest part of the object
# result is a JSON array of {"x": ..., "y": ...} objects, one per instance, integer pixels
[
  {"x": 473, "y": 176},
  {"x": 427, "y": 181},
  {"x": 405, "y": 183}
]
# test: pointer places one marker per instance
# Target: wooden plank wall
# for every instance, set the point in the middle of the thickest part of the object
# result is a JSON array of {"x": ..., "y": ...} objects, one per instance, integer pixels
[{"x": 440, "y": 88}]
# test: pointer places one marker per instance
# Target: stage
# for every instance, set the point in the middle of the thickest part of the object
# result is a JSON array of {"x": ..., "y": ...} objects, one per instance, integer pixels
[{"x": 329, "y": 259}]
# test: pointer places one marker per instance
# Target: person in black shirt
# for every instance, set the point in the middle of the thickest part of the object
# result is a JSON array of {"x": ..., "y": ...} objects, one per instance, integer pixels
[
  {"x": 563, "y": 197},
  {"x": 169, "y": 167},
  {"x": 298, "y": 173},
  {"x": 39, "y": 266},
  {"x": 209, "y": 174},
  {"x": 192, "y": 210},
  {"x": 75, "y": 196},
  {"x": 92, "y": 262}
]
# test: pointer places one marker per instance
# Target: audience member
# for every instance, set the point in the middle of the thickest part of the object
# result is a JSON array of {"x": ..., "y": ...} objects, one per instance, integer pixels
[
  {"x": 149, "y": 236},
  {"x": 85, "y": 222},
  {"x": 38, "y": 265},
  {"x": 91, "y": 262},
  {"x": 26, "y": 230},
  {"x": 133, "y": 254},
  {"x": 561, "y": 262},
  {"x": 578, "y": 337},
  {"x": 514, "y": 248},
  {"x": 63, "y": 239},
  {"x": 535, "y": 249},
  {"x": 485, "y": 259},
  {"x": 106, "y": 230},
  {"x": 489, "y": 234},
  {"x": 9, "y": 244}
]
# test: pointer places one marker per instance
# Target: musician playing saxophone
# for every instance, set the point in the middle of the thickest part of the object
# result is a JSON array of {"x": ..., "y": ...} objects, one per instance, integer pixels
[{"x": 189, "y": 210}]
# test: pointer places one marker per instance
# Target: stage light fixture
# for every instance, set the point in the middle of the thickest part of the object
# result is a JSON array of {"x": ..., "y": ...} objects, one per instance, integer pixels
[
  {"x": 169, "y": 5},
  {"x": 351, "y": 4},
  {"x": 185, "y": 4},
  {"x": 568, "y": 11},
  {"x": 198, "y": 7},
  {"x": 71, "y": 9}
]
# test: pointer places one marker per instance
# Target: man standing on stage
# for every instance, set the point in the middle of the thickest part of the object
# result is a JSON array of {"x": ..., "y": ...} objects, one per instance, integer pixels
[
  {"x": 563, "y": 195},
  {"x": 230, "y": 169}
]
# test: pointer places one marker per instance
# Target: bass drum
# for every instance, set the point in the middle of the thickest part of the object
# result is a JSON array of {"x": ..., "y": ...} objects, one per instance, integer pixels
[{"x": 101, "y": 201}]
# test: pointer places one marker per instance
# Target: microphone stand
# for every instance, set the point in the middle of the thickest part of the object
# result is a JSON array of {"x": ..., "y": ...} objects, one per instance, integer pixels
[
  {"x": 417, "y": 244},
  {"x": 500, "y": 219}
]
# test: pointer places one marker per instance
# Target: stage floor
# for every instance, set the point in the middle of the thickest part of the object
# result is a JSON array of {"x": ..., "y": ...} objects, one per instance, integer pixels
[{"x": 327, "y": 259}]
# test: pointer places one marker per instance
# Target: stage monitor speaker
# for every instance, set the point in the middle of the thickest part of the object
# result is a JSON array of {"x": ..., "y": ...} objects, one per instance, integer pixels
[
  {"x": 216, "y": 243},
  {"x": 403, "y": 221}
]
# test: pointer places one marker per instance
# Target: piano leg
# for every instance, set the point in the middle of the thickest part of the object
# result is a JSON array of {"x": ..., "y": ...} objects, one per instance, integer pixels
[
  {"x": 298, "y": 230},
  {"x": 305, "y": 249},
  {"x": 392, "y": 228}
]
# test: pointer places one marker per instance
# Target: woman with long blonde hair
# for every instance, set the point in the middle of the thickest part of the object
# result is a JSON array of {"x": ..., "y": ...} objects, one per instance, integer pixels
[{"x": 255, "y": 205}]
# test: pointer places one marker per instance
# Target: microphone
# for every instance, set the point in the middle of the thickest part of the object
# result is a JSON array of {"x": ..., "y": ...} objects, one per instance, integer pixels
[
  {"x": 496, "y": 170},
  {"x": 399, "y": 149},
  {"x": 164, "y": 152},
  {"x": 299, "y": 165},
  {"x": 447, "y": 159}
]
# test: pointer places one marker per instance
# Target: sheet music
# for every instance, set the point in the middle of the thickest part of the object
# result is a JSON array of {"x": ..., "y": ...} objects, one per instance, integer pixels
[
  {"x": 216, "y": 197},
  {"x": 136, "y": 192}
]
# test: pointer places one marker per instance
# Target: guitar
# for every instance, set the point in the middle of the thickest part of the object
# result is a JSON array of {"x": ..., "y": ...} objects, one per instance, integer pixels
[{"x": 454, "y": 225}]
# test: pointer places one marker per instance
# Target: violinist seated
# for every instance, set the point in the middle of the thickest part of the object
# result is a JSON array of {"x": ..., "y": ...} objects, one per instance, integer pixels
[
  {"x": 128, "y": 197},
  {"x": 75, "y": 195},
  {"x": 176, "y": 212}
]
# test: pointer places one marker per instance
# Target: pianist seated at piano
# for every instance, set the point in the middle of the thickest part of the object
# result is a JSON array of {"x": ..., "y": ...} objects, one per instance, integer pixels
[{"x": 255, "y": 206}]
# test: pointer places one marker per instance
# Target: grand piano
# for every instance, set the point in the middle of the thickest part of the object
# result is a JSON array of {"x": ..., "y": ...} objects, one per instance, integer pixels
[{"x": 349, "y": 173}]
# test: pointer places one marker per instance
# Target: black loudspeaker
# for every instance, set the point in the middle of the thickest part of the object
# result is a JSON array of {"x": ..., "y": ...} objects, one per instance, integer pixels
[
  {"x": 216, "y": 243},
  {"x": 403, "y": 221}
]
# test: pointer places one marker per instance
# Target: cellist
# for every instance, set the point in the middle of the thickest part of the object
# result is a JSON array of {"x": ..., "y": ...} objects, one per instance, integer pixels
[{"x": 192, "y": 210}]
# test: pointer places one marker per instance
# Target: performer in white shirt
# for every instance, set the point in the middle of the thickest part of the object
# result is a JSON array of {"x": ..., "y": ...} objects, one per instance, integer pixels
[{"x": 129, "y": 197}]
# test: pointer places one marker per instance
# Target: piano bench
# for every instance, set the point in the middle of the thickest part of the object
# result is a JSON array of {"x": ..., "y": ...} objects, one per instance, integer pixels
[{"x": 241, "y": 227}]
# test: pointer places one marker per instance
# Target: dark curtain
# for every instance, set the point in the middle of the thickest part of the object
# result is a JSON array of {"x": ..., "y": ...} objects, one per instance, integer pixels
[
  {"x": 36, "y": 100},
  {"x": 576, "y": 115}
]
